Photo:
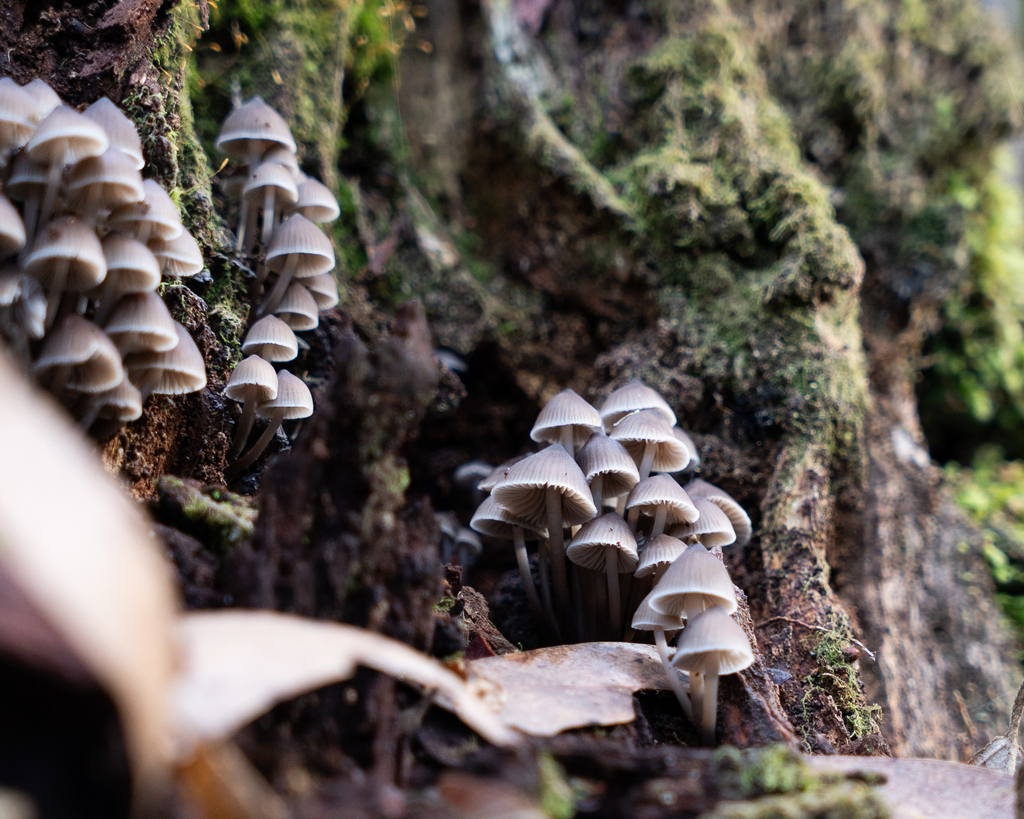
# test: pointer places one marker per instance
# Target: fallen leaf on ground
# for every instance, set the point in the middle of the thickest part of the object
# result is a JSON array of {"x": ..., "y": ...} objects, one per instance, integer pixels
[
  {"x": 550, "y": 690},
  {"x": 236, "y": 665},
  {"x": 1004, "y": 752}
]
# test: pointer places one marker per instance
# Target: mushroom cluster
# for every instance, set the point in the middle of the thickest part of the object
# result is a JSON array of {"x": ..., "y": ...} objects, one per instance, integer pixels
[
  {"x": 84, "y": 243},
  {"x": 279, "y": 210},
  {"x": 643, "y": 547}
]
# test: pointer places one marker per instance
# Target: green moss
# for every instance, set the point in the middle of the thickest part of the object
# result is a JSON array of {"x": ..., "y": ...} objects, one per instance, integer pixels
[
  {"x": 219, "y": 519},
  {"x": 751, "y": 773},
  {"x": 557, "y": 798},
  {"x": 837, "y": 679}
]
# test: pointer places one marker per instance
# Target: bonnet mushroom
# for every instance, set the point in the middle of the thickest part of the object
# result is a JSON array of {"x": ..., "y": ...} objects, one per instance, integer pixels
[
  {"x": 142, "y": 323},
  {"x": 253, "y": 381},
  {"x": 298, "y": 249},
  {"x": 647, "y": 619},
  {"x": 316, "y": 202},
  {"x": 711, "y": 529},
  {"x": 17, "y": 118},
  {"x": 606, "y": 544},
  {"x": 27, "y": 184},
  {"x": 298, "y": 309},
  {"x": 275, "y": 186},
  {"x": 566, "y": 419},
  {"x": 649, "y": 439},
  {"x": 251, "y": 129},
  {"x": 293, "y": 401},
  {"x": 79, "y": 356},
  {"x": 177, "y": 371},
  {"x": 633, "y": 397},
  {"x": 324, "y": 290},
  {"x": 66, "y": 256},
  {"x": 12, "y": 229},
  {"x": 122, "y": 404},
  {"x": 154, "y": 218},
  {"x": 272, "y": 339},
  {"x": 608, "y": 468},
  {"x": 499, "y": 473},
  {"x": 119, "y": 130},
  {"x": 178, "y": 257},
  {"x": 44, "y": 97},
  {"x": 740, "y": 520},
  {"x": 657, "y": 554},
  {"x": 131, "y": 268},
  {"x": 102, "y": 183},
  {"x": 664, "y": 499}
]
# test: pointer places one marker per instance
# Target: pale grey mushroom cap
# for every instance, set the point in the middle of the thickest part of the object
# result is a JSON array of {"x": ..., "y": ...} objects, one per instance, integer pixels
[
  {"x": 108, "y": 181},
  {"x": 713, "y": 643},
  {"x": 712, "y": 528},
  {"x": 119, "y": 130},
  {"x": 282, "y": 156},
  {"x": 298, "y": 239},
  {"x": 661, "y": 490},
  {"x": 17, "y": 115},
  {"x": 122, "y": 403},
  {"x": 633, "y": 397},
  {"x": 589, "y": 546},
  {"x": 141, "y": 322},
  {"x": 12, "y": 229},
  {"x": 647, "y": 619},
  {"x": 179, "y": 256},
  {"x": 612, "y": 461},
  {"x": 156, "y": 211},
  {"x": 79, "y": 344},
  {"x": 44, "y": 97},
  {"x": 469, "y": 474},
  {"x": 566, "y": 409},
  {"x": 698, "y": 573},
  {"x": 27, "y": 180},
  {"x": 298, "y": 309},
  {"x": 131, "y": 267},
  {"x": 316, "y": 202},
  {"x": 324, "y": 290},
  {"x": 739, "y": 519},
  {"x": 254, "y": 123},
  {"x": 499, "y": 473},
  {"x": 638, "y": 429},
  {"x": 67, "y": 240},
  {"x": 253, "y": 379},
  {"x": 277, "y": 178},
  {"x": 659, "y": 552},
  {"x": 524, "y": 491},
  {"x": 496, "y": 521},
  {"x": 272, "y": 339},
  {"x": 687, "y": 441},
  {"x": 293, "y": 397},
  {"x": 179, "y": 371},
  {"x": 64, "y": 137}
]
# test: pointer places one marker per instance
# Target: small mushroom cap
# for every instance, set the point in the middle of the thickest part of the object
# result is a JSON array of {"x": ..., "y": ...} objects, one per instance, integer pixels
[
  {"x": 589, "y": 547},
  {"x": 140, "y": 323},
  {"x": 27, "y": 180},
  {"x": 469, "y": 474},
  {"x": 131, "y": 267},
  {"x": 64, "y": 137},
  {"x": 740, "y": 520},
  {"x": 293, "y": 397},
  {"x": 30, "y": 309},
  {"x": 118, "y": 128},
  {"x": 157, "y": 210},
  {"x": 687, "y": 441},
  {"x": 180, "y": 370},
  {"x": 661, "y": 490},
  {"x": 713, "y": 643},
  {"x": 496, "y": 521},
  {"x": 630, "y": 398},
  {"x": 298, "y": 309},
  {"x": 253, "y": 379},
  {"x": 660, "y": 551},
  {"x": 272, "y": 339},
  {"x": 274, "y": 176},
  {"x": 610, "y": 459},
  {"x": 67, "y": 241},
  {"x": 635, "y": 431},
  {"x": 283, "y": 156},
  {"x": 111, "y": 176},
  {"x": 44, "y": 97},
  {"x": 10, "y": 286},
  {"x": 122, "y": 403},
  {"x": 647, "y": 619},
  {"x": 695, "y": 572},
  {"x": 524, "y": 491},
  {"x": 79, "y": 344},
  {"x": 297, "y": 236},
  {"x": 324, "y": 290},
  {"x": 712, "y": 528},
  {"x": 448, "y": 523},
  {"x": 18, "y": 115},
  {"x": 316, "y": 202},
  {"x": 567, "y": 409},
  {"x": 12, "y": 229},
  {"x": 499, "y": 473},
  {"x": 253, "y": 122},
  {"x": 179, "y": 256},
  {"x": 467, "y": 538}
]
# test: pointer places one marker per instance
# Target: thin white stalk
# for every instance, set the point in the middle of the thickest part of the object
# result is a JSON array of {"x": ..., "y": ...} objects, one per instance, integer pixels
[
  {"x": 696, "y": 694},
  {"x": 269, "y": 202},
  {"x": 673, "y": 675},
  {"x": 709, "y": 708},
  {"x": 523, "y": 559},
  {"x": 244, "y": 427},
  {"x": 53, "y": 297},
  {"x": 543, "y": 566},
  {"x": 659, "y": 519},
  {"x": 565, "y": 438},
  {"x": 558, "y": 572},
  {"x": 597, "y": 490},
  {"x": 277, "y": 293},
  {"x": 50, "y": 197},
  {"x": 273, "y": 424},
  {"x": 650, "y": 448},
  {"x": 243, "y": 218}
]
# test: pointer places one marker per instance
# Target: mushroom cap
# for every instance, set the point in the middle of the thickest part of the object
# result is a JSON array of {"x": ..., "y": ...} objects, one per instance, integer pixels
[
  {"x": 131, "y": 267},
  {"x": 297, "y": 236},
  {"x": 632, "y": 397},
  {"x": 293, "y": 398},
  {"x": 635, "y": 431},
  {"x": 157, "y": 210},
  {"x": 12, "y": 229},
  {"x": 181, "y": 370},
  {"x": 232, "y": 182},
  {"x": 469, "y": 474},
  {"x": 281, "y": 155},
  {"x": 316, "y": 202},
  {"x": 272, "y": 339},
  {"x": 122, "y": 403},
  {"x": 119, "y": 130},
  {"x": 64, "y": 137},
  {"x": 660, "y": 550},
  {"x": 252, "y": 379},
  {"x": 712, "y": 528},
  {"x": 524, "y": 491},
  {"x": 496, "y": 521},
  {"x": 179, "y": 256},
  {"x": 253, "y": 122},
  {"x": 18, "y": 115},
  {"x": 695, "y": 572},
  {"x": 79, "y": 344},
  {"x": 324, "y": 289},
  {"x": 687, "y": 441},
  {"x": 647, "y": 619},
  {"x": 468, "y": 538},
  {"x": 611, "y": 460},
  {"x": 274, "y": 176},
  {"x": 30, "y": 308},
  {"x": 499, "y": 473},
  {"x": 10, "y": 285},
  {"x": 661, "y": 490},
  {"x": 44, "y": 97},
  {"x": 27, "y": 179},
  {"x": 141, "y": 322},
  {"x": 567, "y": 409},
  {"x": 713, "y": 643},
  {"x": 67, "y": 240},
  {"x": 112, "y": 175},
  {"x": 739, "y": 519},
  {"x": 298, "y": 309},
  {"x": 589, "y": 546}
]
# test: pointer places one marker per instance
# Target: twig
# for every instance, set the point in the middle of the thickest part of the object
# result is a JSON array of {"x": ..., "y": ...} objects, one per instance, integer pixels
[{"x": 853, "y": 640}]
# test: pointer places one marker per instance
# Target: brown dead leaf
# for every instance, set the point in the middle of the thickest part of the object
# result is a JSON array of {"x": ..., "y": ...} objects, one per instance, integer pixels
[
  {"x": 1004, "y": 752},
  {"x": 550, "y": 690},
  {"x": 238, "y": 664}
]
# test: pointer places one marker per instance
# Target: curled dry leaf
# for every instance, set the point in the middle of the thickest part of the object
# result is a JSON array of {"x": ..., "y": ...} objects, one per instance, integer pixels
[
  {"x": 550, "y": 690},
  {"x": 934, "y": 788},
  {"x": 1004, "y": 752},
  {"x": 238, "y": 664},
  {"x": 77, "y": 547}
]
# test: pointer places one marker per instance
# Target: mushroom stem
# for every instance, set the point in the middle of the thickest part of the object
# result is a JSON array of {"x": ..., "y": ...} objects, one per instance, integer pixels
[
  {"x": 673, "y": 675},
  {"x": 650, "y": 448},
  {"x": 243, "y": 218},
  {"x": 558, "y": 574},
  {"x": 269, "y": 206},
  {"x": 543, "y": 563},
  {"x": 697, "y": 693},
  {"x": 620, "y": 505},
  {"x": 277, "y": 293},
  {"x": 611, "y": 568},
  {"x": 565, "y": 438},
  {"x": 31, "y": 220},
  {"x": 525, "y": 574},
  {"x": 709, "y": 708},
  {"x": 273, "y": 423},
  {"x": 250, "y": 230},
  {"x": 244, "y": 427},
  {"x": 597, "y": 490},
  {"x": 659, "y": 520},
  {"x": 50, "y": 197},
  {"x": 633, "y": 519},
  {"x": 60, "y": 277}
]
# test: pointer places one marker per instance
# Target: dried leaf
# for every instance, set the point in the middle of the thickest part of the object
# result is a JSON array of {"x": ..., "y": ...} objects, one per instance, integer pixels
[
  {"x": 1004, "y": 752},
  {"x": 238, "y": 664},
  {"x": 550, "y": 690},
  {"x": 931, "y": 788},
  {"x": 224, "y": 784}
]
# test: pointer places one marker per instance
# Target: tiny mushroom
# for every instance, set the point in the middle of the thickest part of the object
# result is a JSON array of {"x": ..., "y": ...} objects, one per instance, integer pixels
[
  {"x": 633, "y": 397},
  {"x": 253, "y": 381},
  {"x": 27, "y": 184},
  {"x": 154, "y": 218},
  {"x": 141, "y": 323},
  {"x": 740, "y": 520},
  {"x": 78, "y": 356},
  {"x": 649, "y": 439},
  {"x": 713, "y": 527},
  {"x": 66, "y": 256},
  {"x": 293, "y": 401},
  {"x": 687, "y": 441},
  {"x": 647, "y": 619},
  {"x": 12, "y": 229},
  {"x": 121, "y": 404},
  {"x": 118, "y": 128},
  {"x": 102, "y": 183},
  {"x": 712, "y": 645},
  {"x": 272, "y": 339},
  {"x": 174, "y": 372},
  {"x": 608, "y": 468},
  {"x": 324, "y": 290},
  {"x": 664, "y": 499},
  {"x": 17, "y": 118},
  {"x": 695, "y": 580},
  {"x": 131, "y": 268},
  {"x": 316, "y": 202},
  {"x": 298, "y": 249},
  {"x": 606, "y": 544},
  {"x": 273, "y": 186},
  {"x": 45, "y": 98},
  {"x": 179, "y": 256},
  {"x": 499, "y": 473},
  {"x": 568, "y": 420},
  {"x": 251, "y": 129},
  {"x": 298, "y": 308},
  {"x": 657, "y": 554}
]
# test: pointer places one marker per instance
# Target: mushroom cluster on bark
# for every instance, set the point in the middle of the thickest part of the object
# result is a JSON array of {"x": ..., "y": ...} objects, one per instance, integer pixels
[
  {"x": 85, "y": 242},
  {"x": 280, "y": 209},
  {"x": 643, "y": 548}
]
